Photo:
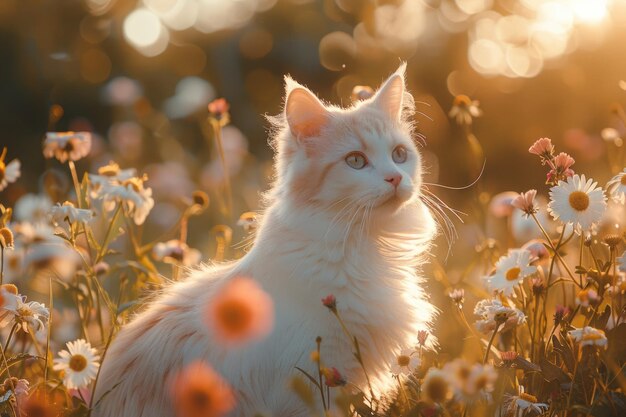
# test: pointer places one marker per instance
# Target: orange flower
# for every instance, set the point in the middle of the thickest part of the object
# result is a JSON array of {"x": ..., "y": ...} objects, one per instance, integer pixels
[
  {"x": 198, "y": 391},
  {"x": 40, "y": 404},
  {"x": 241, "y": 311}
]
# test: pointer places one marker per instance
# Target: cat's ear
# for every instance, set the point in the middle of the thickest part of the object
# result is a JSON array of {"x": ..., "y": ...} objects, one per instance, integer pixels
[
  {"x": 305, "y": 113},
  {"x": 389, "y": 97}
]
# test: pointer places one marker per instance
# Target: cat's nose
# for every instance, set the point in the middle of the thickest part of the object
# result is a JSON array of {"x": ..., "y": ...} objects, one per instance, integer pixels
[{"x": 394, "y": 179}]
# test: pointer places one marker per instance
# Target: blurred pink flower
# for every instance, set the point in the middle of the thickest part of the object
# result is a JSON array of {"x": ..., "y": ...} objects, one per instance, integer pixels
[
  {"x": 333, "y": 378},
  {"x": 537, "y": 249},
  {"x": 66, "y": 146},
  {"x": 422, "y": 336},
  {"x": 501, "y": 205},
  {"x": 526, "y": 202},
  {"x": 330, "y": 302},
  {"x": 240, "y": 311}
]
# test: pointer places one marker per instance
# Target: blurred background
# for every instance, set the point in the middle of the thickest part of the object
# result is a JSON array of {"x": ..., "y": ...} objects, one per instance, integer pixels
[{"x": 139, "y": 75}]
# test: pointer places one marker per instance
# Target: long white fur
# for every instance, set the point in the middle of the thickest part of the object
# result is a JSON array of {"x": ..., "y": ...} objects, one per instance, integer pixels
[{"x": 307, "y": 246}]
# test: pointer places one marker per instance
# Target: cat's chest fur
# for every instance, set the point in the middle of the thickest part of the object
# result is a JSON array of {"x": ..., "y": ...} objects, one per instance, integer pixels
[{"x": 378, "y": 294}]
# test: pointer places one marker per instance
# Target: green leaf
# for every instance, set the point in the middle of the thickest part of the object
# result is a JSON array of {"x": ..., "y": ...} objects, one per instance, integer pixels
[
  {"x": 309, "y": 376},
  {"x": 551, "y": 372}
]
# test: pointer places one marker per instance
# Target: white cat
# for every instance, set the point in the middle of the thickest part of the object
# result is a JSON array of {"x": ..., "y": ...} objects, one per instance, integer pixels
[{"x": 343, "y": 217}]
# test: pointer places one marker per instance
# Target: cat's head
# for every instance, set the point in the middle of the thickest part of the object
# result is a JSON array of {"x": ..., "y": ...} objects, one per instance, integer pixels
[{"x": 329, "y": 156}]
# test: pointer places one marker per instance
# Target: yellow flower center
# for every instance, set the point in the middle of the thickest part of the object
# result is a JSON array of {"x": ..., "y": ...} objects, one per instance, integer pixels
[
  {"x": 78, "y": 363},
  {"x": 579, "y": 200},
  {"x": 25, "y": 311},
  {"x": 462, "y": 100},
  {"x": 528, "y": 397},
  {"x": 404, "y": 360},
  {"x": 69, "y": 146},
  {"x": 513, "y": 273}
]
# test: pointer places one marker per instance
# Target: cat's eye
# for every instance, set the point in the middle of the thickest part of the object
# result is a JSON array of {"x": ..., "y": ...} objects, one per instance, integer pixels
[
  {"x": 399, "y": 154},
  {"x": 356, "y": 160}
]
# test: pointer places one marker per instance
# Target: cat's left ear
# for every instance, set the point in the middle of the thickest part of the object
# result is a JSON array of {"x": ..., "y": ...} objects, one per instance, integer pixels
[
  {"x": 389, "y": 97},
  {"x": 305, "y": 113}
]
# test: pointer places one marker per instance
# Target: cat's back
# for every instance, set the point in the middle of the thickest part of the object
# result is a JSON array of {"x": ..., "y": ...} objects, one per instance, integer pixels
[{"x": 135, "y": 374}]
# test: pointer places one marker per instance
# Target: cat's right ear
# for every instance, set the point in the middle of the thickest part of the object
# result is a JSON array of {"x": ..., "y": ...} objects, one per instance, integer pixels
[{"x": 306, "y": 115}]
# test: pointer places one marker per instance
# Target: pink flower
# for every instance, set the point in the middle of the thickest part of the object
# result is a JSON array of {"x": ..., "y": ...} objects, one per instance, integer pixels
[
  {"x": 509, "y": 356},
  {"x": 563, "y": 162},
  {"x": 422, "y": 335},
  {"x": 218, "y": 108},
  {"x": 542, "y": 147},
  {"x": 330, "y": 302},
  {"x": 500, "y": 205},
  {"x": 537, "y": 248},
  {"x": 333, "y": 378},
  {"x": 561, "y": 168},
  {"x": 560, "y": 312},
  {"x": 526, "y": 202}
]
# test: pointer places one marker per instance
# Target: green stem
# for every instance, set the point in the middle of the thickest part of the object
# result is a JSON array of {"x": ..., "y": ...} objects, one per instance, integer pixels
[
  {"x": 11, "y": 333},
  {"x": 6, "y": 365},
  {"x": 556, "y": 253},
  {"x": 318, "y": 341},
  {"x": 76, "y": 183},
  {"x": 493, "y": 336},
  {"x": 107, "y": 236},
  {"x": 217, "y": 129},
  {"x": 104, "y": 353},
  {"x": 580, "y": 256}
]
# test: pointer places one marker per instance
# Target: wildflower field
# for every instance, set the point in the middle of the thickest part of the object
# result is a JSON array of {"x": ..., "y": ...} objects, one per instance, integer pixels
[{"x": 134, "y": 150}]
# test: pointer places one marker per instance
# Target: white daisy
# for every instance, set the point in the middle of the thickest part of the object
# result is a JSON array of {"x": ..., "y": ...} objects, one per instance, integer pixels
[
  {"x": 518, "y": 405},
  {"x": 32, "y": 208},
  {"x": 470, "y": 383},
  {"x": 133, "y": 194},
  {"x": 8, "y": 172},
  {"x": 621, "y": 262},
  {"x": 67, "y": 145},
  {"x": 511, "y": 271},
  {"x": 616, "y": 187},
  {"x": 110, "y": 174},
  {"x": 9, "y": 299},
  {"x": 589, "y": 336},
  {"x": 577, "y": 201},
  {"x": 59, "y": 213},
  {"x": 405, "y": 362},
  {"x": 79, "y": 364},
  {"x": 493, "y": 312},
  {"x": 464, "y": 110},
  {"x": 176, "y": 252},
  {"x": 42, "y": 249},
  {"x": 27, "y": 315}
]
